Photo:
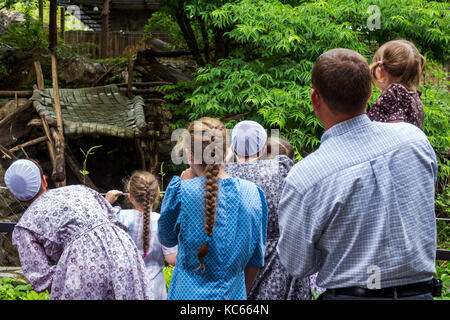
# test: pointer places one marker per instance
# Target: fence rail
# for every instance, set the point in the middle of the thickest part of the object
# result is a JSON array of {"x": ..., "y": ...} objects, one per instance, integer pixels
[{"x": 117, "y": 42}]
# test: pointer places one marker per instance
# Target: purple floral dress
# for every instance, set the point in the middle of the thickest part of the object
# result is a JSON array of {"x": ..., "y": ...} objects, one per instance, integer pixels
[
  {"x": 396, "y": 103},
  {"x": 273, "y": 281},
  {"x": 71, "y": 243}
]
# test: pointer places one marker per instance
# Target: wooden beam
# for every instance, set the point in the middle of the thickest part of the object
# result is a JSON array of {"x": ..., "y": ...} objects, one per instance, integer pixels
[
  {"x": 12, "y": 94},
  {"x": 28, "y": 144},
  {"x": 146, "y": 84},
  {"x": 7, "y": 153},
  {"x": 38, "y": 123}
]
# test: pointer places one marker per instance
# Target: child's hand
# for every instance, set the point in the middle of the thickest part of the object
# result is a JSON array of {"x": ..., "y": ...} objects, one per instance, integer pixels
[
  {"x": 112, "y": 195},
  {"x": 188, "y": 174}
]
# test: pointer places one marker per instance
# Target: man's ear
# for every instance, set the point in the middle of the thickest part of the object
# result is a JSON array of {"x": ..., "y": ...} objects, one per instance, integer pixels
[{"x": 315, "y": 100}]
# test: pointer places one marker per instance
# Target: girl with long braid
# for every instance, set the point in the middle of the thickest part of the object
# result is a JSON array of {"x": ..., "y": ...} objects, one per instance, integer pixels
[
  {"x": 218, "y": 222},
  {"x": 142, "y": 225}
]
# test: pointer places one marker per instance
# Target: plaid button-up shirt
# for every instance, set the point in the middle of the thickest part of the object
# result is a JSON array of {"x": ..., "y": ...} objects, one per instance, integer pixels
[{"x": 360, "y": 209}]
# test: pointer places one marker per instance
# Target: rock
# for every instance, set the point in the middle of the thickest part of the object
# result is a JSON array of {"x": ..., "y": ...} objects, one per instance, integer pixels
[
  {"x": 8, "y": 17},
  {"x": 8, "y": 253},
  {"x": 12, "y": 272},
  {"x": 17, "y": 66},
  {"x": 78, "y": 71}
]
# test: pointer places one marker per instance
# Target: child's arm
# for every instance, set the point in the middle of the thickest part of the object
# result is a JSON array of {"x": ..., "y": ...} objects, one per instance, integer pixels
[
  {"x": 250, "y": 276},
  {"x": 112, "y": 195},
  {"x": 171, "y": 258}
]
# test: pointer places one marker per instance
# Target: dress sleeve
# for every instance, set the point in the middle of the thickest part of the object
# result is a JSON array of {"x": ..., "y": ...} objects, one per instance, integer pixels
[
  {"x": 36, "y": 255},
  {"x": 169, "y": 250},
  {"x": 168, "y": 225},
  {"x": 257, "y": 259}
]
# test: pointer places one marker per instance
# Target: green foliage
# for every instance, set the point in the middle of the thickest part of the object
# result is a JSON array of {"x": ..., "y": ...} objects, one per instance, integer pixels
[
  {"x": 161, "y": 20},
  {"x": 267, "y": 76},
  {"x": 168, "y": 272},
  {"x": 28, "y": 34},
  {"x": 16, "y": 289},
  {"x": 443, "y": 273},
  {"x": 86, "y": 154}
]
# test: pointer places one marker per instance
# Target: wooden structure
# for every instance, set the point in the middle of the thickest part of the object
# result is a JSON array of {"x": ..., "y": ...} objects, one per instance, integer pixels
[{"x": 103, "y": 110}]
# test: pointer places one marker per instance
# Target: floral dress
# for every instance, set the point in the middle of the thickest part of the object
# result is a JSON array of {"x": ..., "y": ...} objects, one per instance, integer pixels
[
  {"x": 238, "y": 239},
  {"x": 154, "y": 259},
  {"x": 70, "y": 242},
  {"x": 396, "y": 103},
  {"x": 273, "y": 281}
]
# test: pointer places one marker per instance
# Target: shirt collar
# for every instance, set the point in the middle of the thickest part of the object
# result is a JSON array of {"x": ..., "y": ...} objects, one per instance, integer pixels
[{"x": 345, "y": 126}]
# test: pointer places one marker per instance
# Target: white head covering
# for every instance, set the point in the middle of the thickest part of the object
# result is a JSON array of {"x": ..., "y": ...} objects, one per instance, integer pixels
[
  {"x": 248, "y": 138},
  {"x": 23, "y": 179}
]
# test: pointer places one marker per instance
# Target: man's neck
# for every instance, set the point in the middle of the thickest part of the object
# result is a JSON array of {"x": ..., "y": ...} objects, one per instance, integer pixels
[{"x": 335, "y": 119}]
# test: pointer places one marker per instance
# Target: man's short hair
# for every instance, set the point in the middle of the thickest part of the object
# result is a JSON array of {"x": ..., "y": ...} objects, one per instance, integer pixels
[{"x": 342, "y": 78}]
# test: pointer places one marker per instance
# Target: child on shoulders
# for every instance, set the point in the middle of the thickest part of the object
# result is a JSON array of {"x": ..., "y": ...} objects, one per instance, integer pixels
[{"x": 396, "y": 69}]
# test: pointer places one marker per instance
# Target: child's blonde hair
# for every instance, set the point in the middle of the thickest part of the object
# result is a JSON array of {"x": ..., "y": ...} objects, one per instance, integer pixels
[
  {"x": 144, "y": 189},
  {"x": 401, "y": 60}
]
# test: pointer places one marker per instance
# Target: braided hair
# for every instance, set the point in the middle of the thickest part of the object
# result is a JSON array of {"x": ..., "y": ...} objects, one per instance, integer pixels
[
  {"x": 210, "y": 134},
  {"x": 144, "y": 189}
]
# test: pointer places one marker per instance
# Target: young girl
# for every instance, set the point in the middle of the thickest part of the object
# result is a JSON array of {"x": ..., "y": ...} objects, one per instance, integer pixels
[
  {"x": 142, "y": 224},
  {"x": 396, "y": 69},
  {"x": 219, "y": 222}
]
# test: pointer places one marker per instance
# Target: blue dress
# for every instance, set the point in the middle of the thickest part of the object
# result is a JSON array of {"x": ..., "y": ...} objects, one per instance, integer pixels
[{"x": 238, "y": 240}]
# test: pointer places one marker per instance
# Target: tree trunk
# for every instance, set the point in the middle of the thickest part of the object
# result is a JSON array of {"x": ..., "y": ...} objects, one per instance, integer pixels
[
  {"x": 219, "y": 43},
  {"x": 41, "y": 11},
  {"x": 53, "y": 28},
  {"x": 105, "y": 28},
  {"x": 205, "y": 40},
  {"x": 188, "y": 35},
  {"x": 147, "y": 64},
  {"x": 62, "y": 22}
]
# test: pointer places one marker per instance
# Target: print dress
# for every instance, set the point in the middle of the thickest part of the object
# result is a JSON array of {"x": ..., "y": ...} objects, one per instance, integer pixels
[
  {"x": 154, "y": 260},
  {"x": 396, "y": 103},
  {"x": 70, "y": 242},
  {"x": 238, "y": 239},
  {"x": 273, "y": 281}
]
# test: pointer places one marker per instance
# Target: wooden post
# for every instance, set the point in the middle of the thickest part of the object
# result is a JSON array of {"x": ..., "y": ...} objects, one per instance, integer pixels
[
  {"x": 39, "y": 75},
  {"x": 58, "y": 174},
  {"x": 50, "y": 144},
  {"x": 105, "y": 29},
  {"x": 57, "y": 104},
  {"x": 130, "y": 78},
  {"x": 53, "y": 28}
]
